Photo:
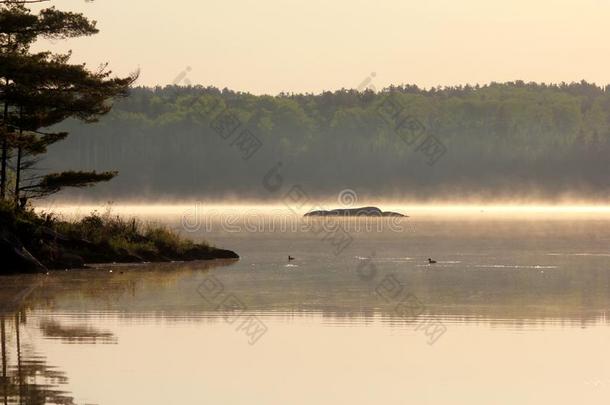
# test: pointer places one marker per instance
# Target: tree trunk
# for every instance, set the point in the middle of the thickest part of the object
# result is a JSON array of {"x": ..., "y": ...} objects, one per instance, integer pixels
[
  {"x": 4, "y": 153},
  {"x": 18, "y": 174},
  {"x": 19, "y": 153}
]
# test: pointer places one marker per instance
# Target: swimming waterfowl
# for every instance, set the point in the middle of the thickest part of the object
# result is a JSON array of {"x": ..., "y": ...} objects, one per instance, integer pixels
[
  {"x": 430, "y": 261},
  {"x": 290, "y": 258}
]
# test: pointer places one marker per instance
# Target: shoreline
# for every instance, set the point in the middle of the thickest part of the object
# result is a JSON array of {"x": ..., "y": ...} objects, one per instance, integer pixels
[{"x": 37, "y": 243}]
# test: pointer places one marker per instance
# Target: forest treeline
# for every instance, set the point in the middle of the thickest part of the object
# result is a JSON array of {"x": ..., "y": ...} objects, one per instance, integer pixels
[{"x": 498, "y": 141}]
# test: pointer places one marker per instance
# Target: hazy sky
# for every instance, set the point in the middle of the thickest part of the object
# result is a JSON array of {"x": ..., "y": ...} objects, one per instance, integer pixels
[{"x": 268, "y": 46}]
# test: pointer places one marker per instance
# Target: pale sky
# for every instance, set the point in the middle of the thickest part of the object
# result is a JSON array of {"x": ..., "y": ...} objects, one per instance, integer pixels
[{"x": 268, "y": 46}]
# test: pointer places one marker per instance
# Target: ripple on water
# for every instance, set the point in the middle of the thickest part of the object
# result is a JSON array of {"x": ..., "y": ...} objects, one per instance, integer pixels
[
  {"x": 513, "y": 266},
  {"x": 580, "y": 254}
]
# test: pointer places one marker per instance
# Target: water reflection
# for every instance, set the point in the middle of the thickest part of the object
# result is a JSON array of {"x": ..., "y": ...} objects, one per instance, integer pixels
[
  {"x": 510, "y": 296},
  {"x": 508, "y": 293},
  {"x": 53, "y": 329},
  {"x": 27, "y": 378}
]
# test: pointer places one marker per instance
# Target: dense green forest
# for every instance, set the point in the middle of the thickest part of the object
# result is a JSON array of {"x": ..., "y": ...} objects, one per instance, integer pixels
[{"x": 502, "y": 140}]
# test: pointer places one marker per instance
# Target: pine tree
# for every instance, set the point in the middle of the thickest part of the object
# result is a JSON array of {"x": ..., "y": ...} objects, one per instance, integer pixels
[{"x": 42, "y": 89}]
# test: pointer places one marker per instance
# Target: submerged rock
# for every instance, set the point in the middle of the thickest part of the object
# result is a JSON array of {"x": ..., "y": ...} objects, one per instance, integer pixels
[{"x": 354, "y": 212}]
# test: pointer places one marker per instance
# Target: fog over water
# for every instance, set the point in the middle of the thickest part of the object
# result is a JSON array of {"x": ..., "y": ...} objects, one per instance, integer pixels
[
  {"x": 416, "y": 209},
  {"x": 520, "y": 290}
]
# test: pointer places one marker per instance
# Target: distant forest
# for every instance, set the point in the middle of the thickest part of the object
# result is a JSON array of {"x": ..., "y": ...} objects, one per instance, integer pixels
[{"x": 498, "y": 141}]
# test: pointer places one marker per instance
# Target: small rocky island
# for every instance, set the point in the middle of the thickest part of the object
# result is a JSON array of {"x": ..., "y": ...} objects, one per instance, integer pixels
[{"x": 354, "y": 212}]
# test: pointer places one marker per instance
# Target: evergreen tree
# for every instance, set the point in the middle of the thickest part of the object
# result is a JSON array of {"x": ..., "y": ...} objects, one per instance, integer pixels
[{"x": 40, "y": 90}]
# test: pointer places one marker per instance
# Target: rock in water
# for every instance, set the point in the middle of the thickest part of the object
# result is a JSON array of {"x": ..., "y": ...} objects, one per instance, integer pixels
[{"x": 354, "y": 212}]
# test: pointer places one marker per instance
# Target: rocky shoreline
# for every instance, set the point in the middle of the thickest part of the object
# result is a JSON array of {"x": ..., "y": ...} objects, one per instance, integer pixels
[{"x": 30, "y": 247}]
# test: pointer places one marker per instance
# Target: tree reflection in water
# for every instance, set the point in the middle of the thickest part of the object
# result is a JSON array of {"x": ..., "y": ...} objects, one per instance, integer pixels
[{"x": 27, "y": 378}]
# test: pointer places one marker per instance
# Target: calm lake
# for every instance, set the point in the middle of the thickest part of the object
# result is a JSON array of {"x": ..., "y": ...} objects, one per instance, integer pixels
[{"x": 515, "y": 311}]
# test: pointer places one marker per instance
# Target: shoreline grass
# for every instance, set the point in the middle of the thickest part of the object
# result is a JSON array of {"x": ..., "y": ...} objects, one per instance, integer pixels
[{"x": 95, "y": 238}]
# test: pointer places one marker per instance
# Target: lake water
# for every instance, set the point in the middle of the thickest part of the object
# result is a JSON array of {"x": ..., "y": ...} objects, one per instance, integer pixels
[{"x": 515, "y": 311}]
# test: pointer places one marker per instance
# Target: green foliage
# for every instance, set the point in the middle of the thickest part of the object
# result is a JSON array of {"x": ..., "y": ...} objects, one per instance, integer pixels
[
  {"x": 124, "y": 237},
  {"x": 13, "y": 217},
  {"x": 501, "y": 138},
  {"x": 54, "y": 182},
  {"x": 41, "y": 89}
]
